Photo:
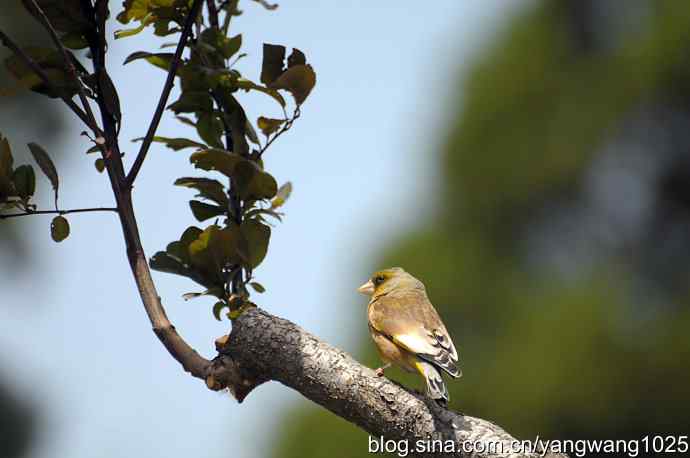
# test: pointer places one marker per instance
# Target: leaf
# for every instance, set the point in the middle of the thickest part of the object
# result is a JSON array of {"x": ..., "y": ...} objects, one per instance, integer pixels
[
  {"x": 99, "y": 163},
  {"x": 24, "y": 181},
  {"x": 59, "y": 228},
  {"x": 146, "y": 20},
  {"x": 110, "y": 97},
  {"x": 52, "y": 64},
  {"x": 248, "y": 85},
  {"x": 64, "y": 15},
  {"x": 174, "y": 144},
  {"x": 269, "y": 125},
  {"x": 258, "y": 287},
  {"x": 74, "y": 40},
  {"x": 255, "y": 236},
  {"x": 192, "y": 101},
  {"x": 297, "y": 57},
  {"x": 213, "y": 250},
  {"x": 254, "y": 183},
  {"x": 224, "y": 46},
  {"x": 251, "y": 133},
  {"x": 45, "y": 164},
  {"x": 299, "y": 80},
  {"x": 216, "y": 159},
  {"x": 218, "y": 307},
  {"x": 282, "y": 195},
  {"x": 210, "y": 129},
  {"x": 6, "y": 162},
  {"x": 203, "y": 211},
  {"x": 208, "y": 188},
  {"x": 164, "y": 262},
  {"x": 185, "y": 120},
  {"x": 160, "y": 59},
  {"x": 273, "y": 63}
]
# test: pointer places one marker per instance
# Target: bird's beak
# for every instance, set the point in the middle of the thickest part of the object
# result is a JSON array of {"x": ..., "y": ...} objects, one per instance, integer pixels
[{"x": 367, "y": 288}]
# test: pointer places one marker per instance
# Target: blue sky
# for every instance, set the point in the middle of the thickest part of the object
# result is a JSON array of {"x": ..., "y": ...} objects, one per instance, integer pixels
[{"x": 362, "y": 160}]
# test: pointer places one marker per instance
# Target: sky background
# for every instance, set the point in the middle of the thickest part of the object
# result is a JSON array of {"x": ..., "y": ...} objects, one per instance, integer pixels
[{"x": 73, "y": 333}]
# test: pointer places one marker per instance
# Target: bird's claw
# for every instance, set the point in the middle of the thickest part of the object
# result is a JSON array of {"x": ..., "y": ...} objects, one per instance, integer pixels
[{"x": 379, "y": 372}]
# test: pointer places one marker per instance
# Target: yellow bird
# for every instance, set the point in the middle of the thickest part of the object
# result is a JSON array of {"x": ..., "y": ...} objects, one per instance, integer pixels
[{"x": 407, "y": 330}]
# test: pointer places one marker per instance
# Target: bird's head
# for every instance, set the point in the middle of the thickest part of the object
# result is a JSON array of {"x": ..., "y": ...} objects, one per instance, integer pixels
[{"x": 387, "y": 280}]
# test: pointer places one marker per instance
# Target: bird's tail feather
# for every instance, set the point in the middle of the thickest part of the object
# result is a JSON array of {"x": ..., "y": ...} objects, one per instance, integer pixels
[{"x": 434, "y": 382}]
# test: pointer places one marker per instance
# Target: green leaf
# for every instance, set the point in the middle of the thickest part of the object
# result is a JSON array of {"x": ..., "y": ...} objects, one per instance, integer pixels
[
  {"x": 203, "y": 211},
  {"x": 218, "y": 307},
  {"x": 208, "y": 188},
  {"x": 210, "y": 129},
  {"x": 74, "y": 40},
  {"x": 192, "y": 101},
  {"x": 247, "y": 85},
  {"x": 6, "y": 162},
  {"x": 64, "y": 15},
  {"x": 251, "y": 133},
  {"x": 45, "y": 164},
  {"x": 146, "y": 20},
  {"x": 282, "y": 195},
  {"x": 258, "y": 287},
  {"x": 175, "y": 144},
  {"x": 224, "y": 46},
  {"x": 99, "y": 163},
  {"x": 299, "y": 80},
  {"x": 160, "y": 59},
  {"x": 186, "y": 121},
  {"x": 164, "y": 262},
  {"x": 252, "y": 182},
  {"x": 213, "y": 250},
  {"x": 231, "y": 46},
  {"x": 273, "y": 63},
  {"x": 59, "y": 228},
  {"x": 52, "y": 63},
  {"x": 255, "y": 236},
  {"x": 219, "y": 160},
  {"x": 269, "y": 125},
  {"x": 24, "y": 181},
  {"x": 110, "y": 97}
]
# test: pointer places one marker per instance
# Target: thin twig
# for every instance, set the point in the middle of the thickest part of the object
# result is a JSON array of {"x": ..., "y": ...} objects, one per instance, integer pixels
[
  {"x": 288, "y": 124},
  {"x": 70, "y": 65},
  {"x": 11, "y": 45},
  {"x": 172, "y": 72},
  {"x": 60, "y": 212}
]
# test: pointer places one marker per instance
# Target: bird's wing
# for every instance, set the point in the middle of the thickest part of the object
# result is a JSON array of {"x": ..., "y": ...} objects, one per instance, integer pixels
[{"x": 410, "y": 320}]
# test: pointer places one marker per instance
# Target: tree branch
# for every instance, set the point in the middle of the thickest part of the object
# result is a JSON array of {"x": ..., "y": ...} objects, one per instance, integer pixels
[
  {"x": 59, "y": 212},
  {"x": 262, "y": 347},
  {"x": 167, "y": 87}
]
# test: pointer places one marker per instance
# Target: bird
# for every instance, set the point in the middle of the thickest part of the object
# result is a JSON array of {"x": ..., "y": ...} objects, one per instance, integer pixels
[{"x": 407, "y": 330}]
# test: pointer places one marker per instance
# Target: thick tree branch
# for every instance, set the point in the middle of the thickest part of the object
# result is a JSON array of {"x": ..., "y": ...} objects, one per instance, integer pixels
[
  {"x": 167, "y": 87},
  {"x": 263, "y": 347}
]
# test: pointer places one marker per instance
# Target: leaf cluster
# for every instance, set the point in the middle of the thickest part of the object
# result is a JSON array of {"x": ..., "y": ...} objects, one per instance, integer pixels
[{"x": 238, "y": 196}]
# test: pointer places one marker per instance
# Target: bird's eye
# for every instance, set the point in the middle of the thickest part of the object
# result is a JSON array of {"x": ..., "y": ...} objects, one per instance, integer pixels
[{"x": 378, "y": 280}]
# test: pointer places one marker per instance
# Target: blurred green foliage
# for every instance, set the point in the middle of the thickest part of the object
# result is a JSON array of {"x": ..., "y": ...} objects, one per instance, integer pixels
[{"x": 597, "y": 351}]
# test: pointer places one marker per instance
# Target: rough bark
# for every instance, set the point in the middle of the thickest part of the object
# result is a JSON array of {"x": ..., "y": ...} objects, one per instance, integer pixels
[{"x": 263, "y": 347}]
